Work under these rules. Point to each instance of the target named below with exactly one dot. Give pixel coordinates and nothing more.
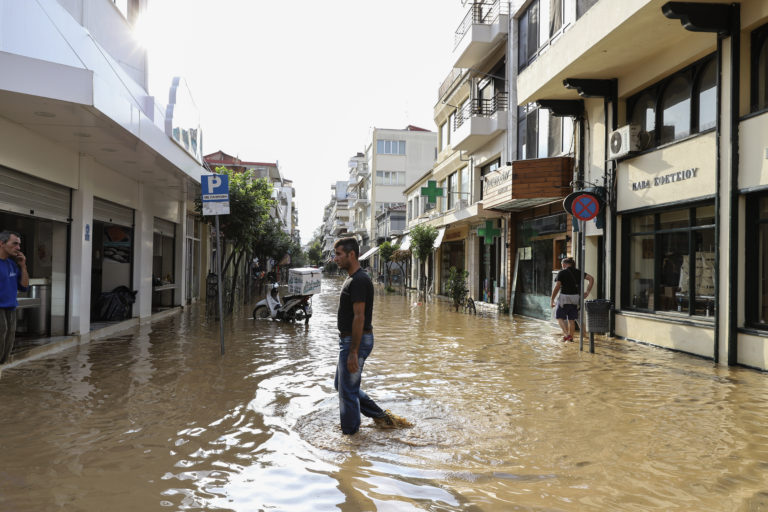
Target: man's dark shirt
(357, 288)
(569, 280)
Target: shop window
(759, 83)
(673, 109)
(669, 259)
(756, 246)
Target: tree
(457, 285)
(386, 250)
(315, 253)
(422, 243)
(402, 257)
(250, 203)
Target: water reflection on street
(507, 418)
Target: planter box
(304, 281)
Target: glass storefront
(541, 245)
(451, 255)
(669, 259)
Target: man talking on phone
(13, 278)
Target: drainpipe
(580, 181)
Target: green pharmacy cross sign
(488, 232)
(431, 191)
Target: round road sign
(585, 207)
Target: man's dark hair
(348, 245)
(569, 261)
(6, 235)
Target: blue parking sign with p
(214, 190)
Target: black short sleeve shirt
(357, 288)
(569, 280)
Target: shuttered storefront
(112, 213)
(26, 195)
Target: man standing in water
(356, 343)
(568, 284)
(13, 278)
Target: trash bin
(39, 317)
(598, 315)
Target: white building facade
(97, 175)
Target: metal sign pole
(218, 275)
(581, 288)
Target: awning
(368, 254)
(406, 243)
(439, 239)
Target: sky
(302, 82)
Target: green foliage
(457, 285)
(250, 201)
(386, 250)
(422, 241)
(315, 253)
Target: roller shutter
(165, 227)
(112, 213)
(26, 195)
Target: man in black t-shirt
(356, 343)
(568, 285)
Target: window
(582, 6)
(443, 140)
(541, 135)
(759, 82)
(706, 101)
(390, 147)
(390, 177)
(670, 261)
(463, 197)
(542, 21)
(674, 108)
(442, 200)
(487, 169)
(452, 189)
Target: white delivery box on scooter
(304, 281)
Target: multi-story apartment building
(97, 175)
(472, 116)
(669, 102)
(336, 218)
(378, 177)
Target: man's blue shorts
(567, 312)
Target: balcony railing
(449, 81)
(480, 13)
(481, 108)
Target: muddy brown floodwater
(507, 418)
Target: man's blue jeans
(352, 399)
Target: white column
(81, 251)
(142, 254)
(180, 255)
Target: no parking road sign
(585, 207)
(215, 194)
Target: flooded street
(506, 417)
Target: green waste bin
(598, 315)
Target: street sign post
(215, 196)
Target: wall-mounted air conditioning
(623, 141)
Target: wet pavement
(507, 418)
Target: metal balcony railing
(480, 13)
(481, 108)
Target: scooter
(290, 309)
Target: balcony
(484, 27)
(479, 121)
(528, 183)
(359, 201)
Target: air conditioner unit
(623, 141)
